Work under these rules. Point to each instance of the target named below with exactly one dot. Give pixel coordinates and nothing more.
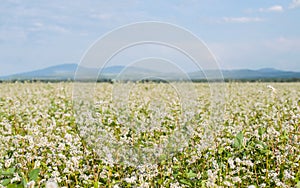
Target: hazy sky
(242, 34)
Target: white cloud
(295, 4)
(39, 26)
(283, 44)
(57, 28)
(242, 19)
(275, 8)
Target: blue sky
(242, 34)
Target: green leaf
(220, 151)
(24, 181)
(33, 175)
(238, 141)
(11, 186)
(14, 186)
(160, 181)
(298, 185)
(5, 182)
(96, 184)
(176, 167)
(186, 182)
(162, 157)
(8, 172)
(191, 174)
(261, 131)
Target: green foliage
(238, 140)
(34, 174)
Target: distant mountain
(266, 70)
(67, 72)
(247, 74)
(64, 71)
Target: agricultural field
(254, 143)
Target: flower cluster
(43, 141)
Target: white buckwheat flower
(272, 88)
(30, 184)
(51, 184)
(231, 163)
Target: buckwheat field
(255, 143)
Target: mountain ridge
(67, 72)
